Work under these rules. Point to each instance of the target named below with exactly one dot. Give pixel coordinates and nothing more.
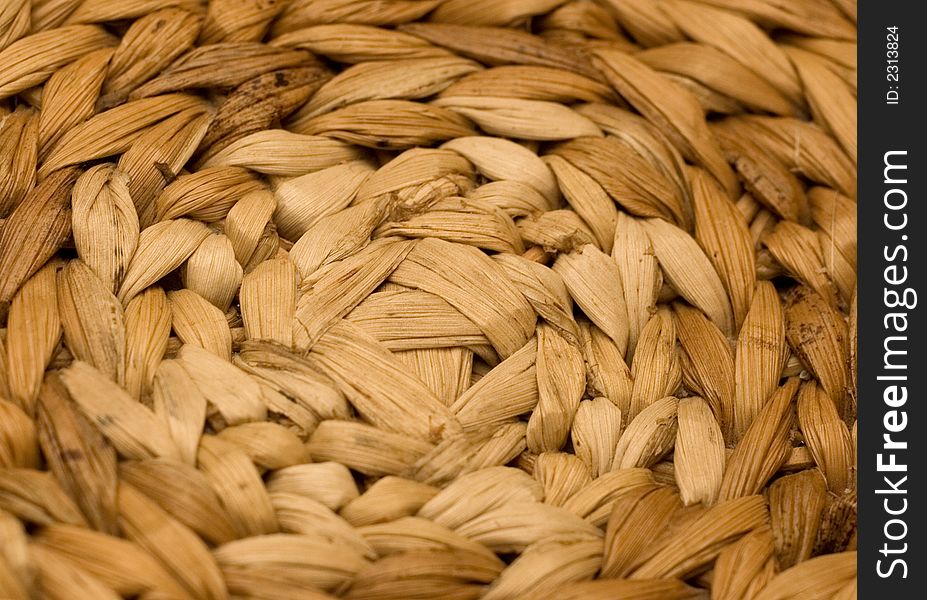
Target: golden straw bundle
(427, 299)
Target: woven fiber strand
(427, 299)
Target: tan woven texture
(427, 299)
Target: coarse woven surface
(427, 299)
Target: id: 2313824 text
(892, 64)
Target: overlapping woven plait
(427, 299)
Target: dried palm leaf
(392, 124)
(161, 248)
(656, 370)
(33, 330)
(104, 223)
(531, 82)
(818, 335)
(149, 45)
(381, 80)
(819, 578)
(92, 319)
(689, 271)
(761, 353)
(707, 364)
(130, 427)
(261, 103)
(80, 458)
(114, 131)
(19, 146)
(746, 566)
(595, 434)
(281, 152)
(763, 447)
(148, 325)
(507, 391)
(830, 98)
(392, 501)
(213, 272)
(699, 456)
(796, 504)
(33, 232)
(722, 233)
(365, 448)
(827, 437)
(742, 40)
(637, 518)
(302, 201)
(70, 96)
(677, 114)
(198, 323)
(494, 46)
(373, 12)
(502, 159)
(329, 483)
(18, 442)
(561, 474)
(31, 59)
(594, 282)
(225, 64)
(353, 43)
(649, 436)
(553, 561)
(702, 538)
(525, 119)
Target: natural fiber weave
(427, 299)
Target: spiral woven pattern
(428, 299)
